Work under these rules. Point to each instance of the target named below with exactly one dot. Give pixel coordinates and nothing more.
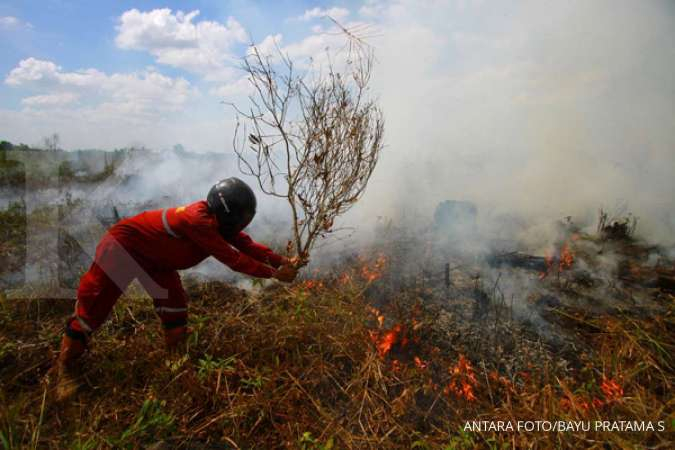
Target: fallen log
(517, 259)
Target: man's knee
(96, 296)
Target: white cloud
(58, 99)
(270, 44)
(139, 96)
(238, 88)
(313, 46)
(30, 70)
(372, 8)
(204, 47)
(316, 47)
(318, 13)
(242, 86)
(13, 23)
(90, 108)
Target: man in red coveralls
(152, 247)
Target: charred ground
(394, 345)
(374, 353)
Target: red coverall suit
(152, 246)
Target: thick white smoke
(533, 111)
(536, 109)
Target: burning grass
(330, 362)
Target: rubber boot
(176, 338)
(64, 373)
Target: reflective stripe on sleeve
(167, 228)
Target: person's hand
(286, 273)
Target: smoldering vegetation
(532, 112)
(392, 337)
(494, 270)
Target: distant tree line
(86, 166)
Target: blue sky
(82, 34)
(76, 36)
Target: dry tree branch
(312, 137)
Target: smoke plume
(538, 110)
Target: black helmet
(233, 203)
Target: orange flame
(548, 259)
(388, 340)
(565, 259)
(612, 390)
(420, 364)
(374, 272)
(396, 365)
(313, 284)
(463, 380)
(365, 270)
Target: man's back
(151, 240)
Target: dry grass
(314, 365)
